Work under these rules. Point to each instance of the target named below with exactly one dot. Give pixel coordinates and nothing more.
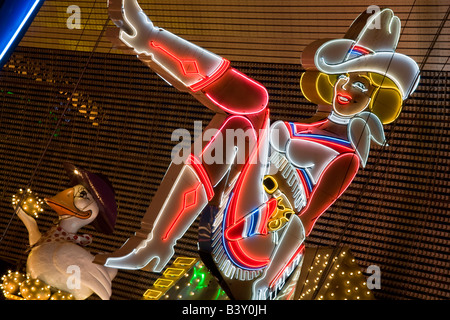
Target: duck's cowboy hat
(101, 190)
(368, 46)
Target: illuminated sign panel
(256, 214)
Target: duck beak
(63, 204)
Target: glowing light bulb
(29, 202)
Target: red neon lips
(343, 98)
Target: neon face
(343, 99)
(352, 94)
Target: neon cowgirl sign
(255, 215)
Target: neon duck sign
(255, 215)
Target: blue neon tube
(15, 18)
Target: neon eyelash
(362, 88)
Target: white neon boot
(176, 205)
(183, 64)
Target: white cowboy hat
(366, 47)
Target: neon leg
(289, 247)
(178, 61)
(255, 223)
(180, 198)
(250, 253)
(186, 66)
(335, 179)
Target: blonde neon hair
(386, 102)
